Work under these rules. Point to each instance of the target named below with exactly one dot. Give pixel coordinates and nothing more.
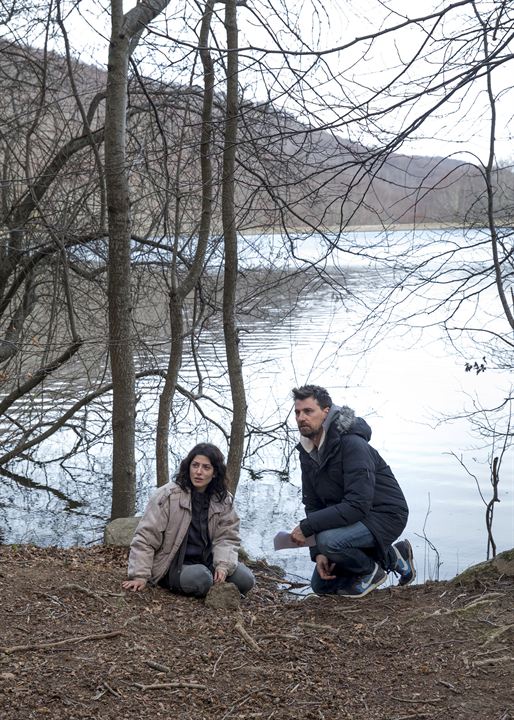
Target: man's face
(310, 417)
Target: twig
(279, 636)
(496, 634)
(454, 611)
(111, 690)
(242, 700)
(445, 642)
(481, 601)
(172, 684)
(491, 661)
(217, 661)
(416, 617)
(84, 590)
(157, 666)
(249, 639)
(449, 686)
(45, 646)
(417, 702)
(314, 626)
(130, 619)
(382, 622)
(283, 581)
(74, 586)
(52, 598)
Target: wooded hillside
(288, 174)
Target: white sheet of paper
(282, 540)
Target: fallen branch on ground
(57, 643)
(497, 633)
(476, 603)
(249, 639)
(282, 581)
(449, 686)
(105, 687)
(428, 701)
(492, 597)
(314, 626)
(74, 586)
(173, 684)
(157, 666)
(491, 661)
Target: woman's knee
(243, 579)
(196, 580)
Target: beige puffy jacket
(164, 526)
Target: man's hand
(324, 567)
(220, 575)
(135, 585)
(298, 537)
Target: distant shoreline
(400, 226)
(394, 227)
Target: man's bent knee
(327, 542)
(349, 537)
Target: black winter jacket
(349, 481)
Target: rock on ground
(223, 596)
(120, 532)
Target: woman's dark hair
(218, 484)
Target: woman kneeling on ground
(188, 537)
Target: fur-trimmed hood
(347, 422)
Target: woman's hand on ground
(135, 585)
(220, 575)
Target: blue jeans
(346, 547)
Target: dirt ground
(75, 646)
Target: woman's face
(201, 472)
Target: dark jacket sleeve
(310, 500)
(357, 484)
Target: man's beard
(308, 432)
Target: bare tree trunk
(125, 34)
(490, 186)
(168, 392)
(120, 341)
(178, 292)
(234, 364)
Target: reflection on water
(402, 385)
(69, 503)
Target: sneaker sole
(410, 557)
(369, 589)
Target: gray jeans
(197, 579)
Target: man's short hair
(314, 391)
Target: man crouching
(353, 504)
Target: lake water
(403, 383)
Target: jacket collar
(185, 499)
